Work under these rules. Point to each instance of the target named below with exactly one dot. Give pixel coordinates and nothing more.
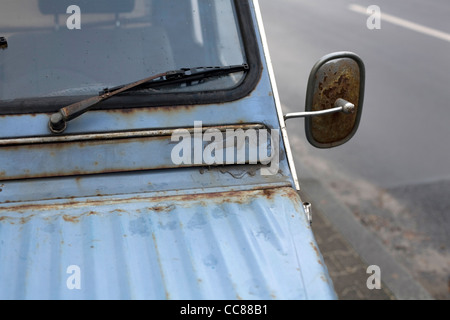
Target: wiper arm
(58, 121)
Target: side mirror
(334, 100)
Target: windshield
(60, 48)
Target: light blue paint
(153, 234)
(175, 248)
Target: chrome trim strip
(276, 96)
(115, 135)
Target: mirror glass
(336, 78)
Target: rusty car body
(92, 205)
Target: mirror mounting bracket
(340, 105)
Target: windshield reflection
(116, 42)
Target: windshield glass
(59, 48)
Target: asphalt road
(394, 174)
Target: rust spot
(76, 219)
(73, 219)
(118, 210)
(161, 208)
(160, 109)
(269, 193)
(154, 242)
(292, 195)
(24, 220)
(317, 252)
(235, 197)
(13, 220)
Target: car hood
(254, 244)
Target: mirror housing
(338, 79)
(334, 100)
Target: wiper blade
(185, 75)
(58, 121)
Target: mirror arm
(340, 105)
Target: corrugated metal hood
(254, 244)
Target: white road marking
(404, 23)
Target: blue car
(144, 153)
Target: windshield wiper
(58, 121)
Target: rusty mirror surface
(336, 76)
